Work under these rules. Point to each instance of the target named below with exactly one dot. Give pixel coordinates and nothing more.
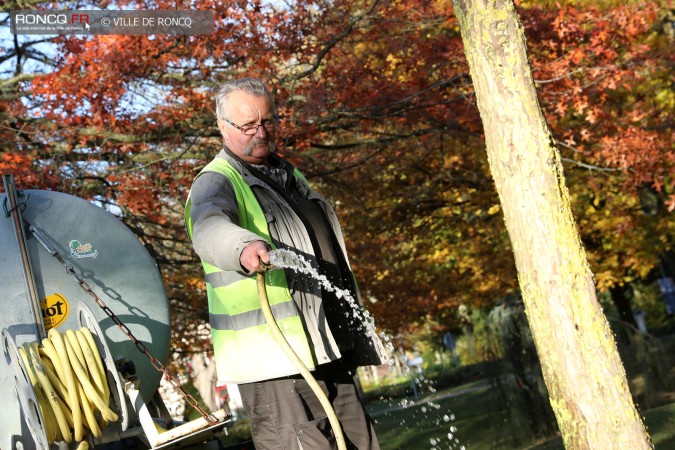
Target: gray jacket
(219, 240)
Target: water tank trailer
(69, 266)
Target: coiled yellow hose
(70, 385)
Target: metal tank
(99, 249)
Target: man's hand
(252, 254)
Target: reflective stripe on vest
(251, 318)
(244, 348)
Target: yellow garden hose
(70, 384)
(297, 362)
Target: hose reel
(63, 380)
(35, 400)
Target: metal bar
(10, 191)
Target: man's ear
(222, 126)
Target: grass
(660, 424)
(477, 422)
(442, 423)
(461, 417)
(471, 417)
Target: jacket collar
(260, 172)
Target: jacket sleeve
(216, 236)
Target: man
(243, 204)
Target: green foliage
(477, 343)
(648, 298)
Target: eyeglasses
(250, 130)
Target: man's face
(245, 110)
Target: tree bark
(584, 375)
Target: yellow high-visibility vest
(244, 349)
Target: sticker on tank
(55, 310)
(79, 250)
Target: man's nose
(261, 131)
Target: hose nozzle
(265, 266)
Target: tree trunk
(584, 375)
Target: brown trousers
(286, 414)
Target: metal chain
(139, 345)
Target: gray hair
(252, 86)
